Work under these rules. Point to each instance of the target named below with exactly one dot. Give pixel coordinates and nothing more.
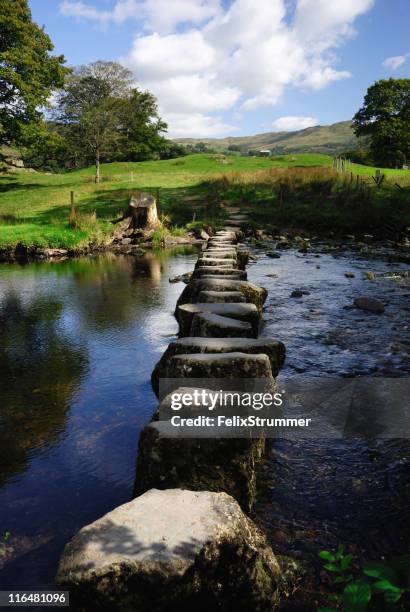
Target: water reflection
(78, 341)
(40, 369)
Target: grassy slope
(34, 207)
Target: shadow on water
(40, 370)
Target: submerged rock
(369, 303)
(171, 550)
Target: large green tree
(28, 73)
(90, 108)
(106, 118)
(385, 118)
(142, 127)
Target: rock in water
(171, 550)
(369, 303)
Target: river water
(79, 340)
(318, 493)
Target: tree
(385, 118)
(92, 107)
(142, 127)
(28, 73)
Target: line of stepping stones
(186, 540)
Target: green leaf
(327, 555)
(386, 585)
(339, 579)
(345, 562)
(380, 570)
(340, 551)
(332, 567)
(357, 595)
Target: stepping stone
(274, 350)
(220, 365)
(253, 294)
(222, 297)
(243, 312)
(215, 254)
(171, 550)
(225, 276)
(215, 271)
(196, 463)
(238, 223)
(214, 262)
(209, 325)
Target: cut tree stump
(142, 211)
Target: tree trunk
(97, 166)
(143, 211)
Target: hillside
(327, 139)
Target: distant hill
(327, 139)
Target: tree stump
(142, 211)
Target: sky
(239, 67)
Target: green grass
(35, 207)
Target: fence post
(72, 199)
(158, 198)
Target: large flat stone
(274, 350)
(217, 254)
(221, 297)
(219, 271)
(253, 294)
(212, 464)
(243, 312)
(216, 262)
(220, 365)
(209, 325)
(171, 550)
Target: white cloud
(293, 123)
(156, 57)
(395, 61)
(203, 56)
(196, 124)
(161, 15)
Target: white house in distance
(265, 152)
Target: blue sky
(235, 67)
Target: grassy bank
(35, 207)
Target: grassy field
(35, 207)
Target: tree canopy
(28, 73)
(385, 118)
(104, 116)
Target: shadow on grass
(180, 205)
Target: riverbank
(288, 192)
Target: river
(79, 340)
